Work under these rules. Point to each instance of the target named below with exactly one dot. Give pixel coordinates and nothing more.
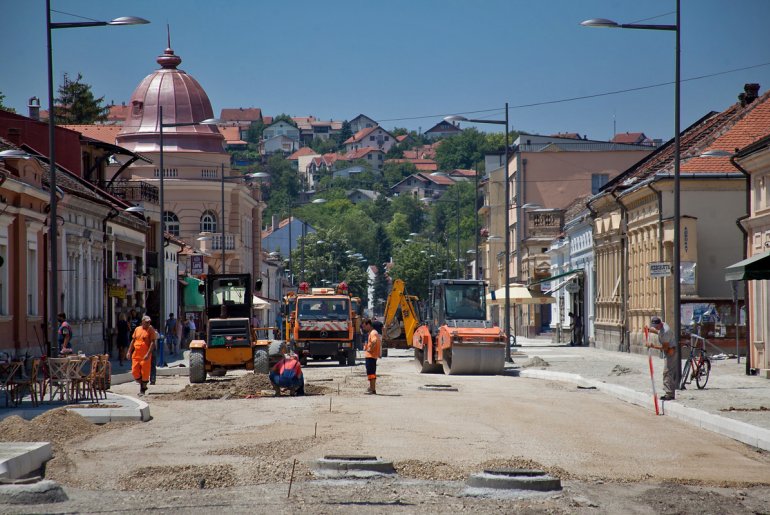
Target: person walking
(667, 344)
(133, 320)
(170, 330)
(140, 352)
(190, 327)
(64, 335)
(372, 351)
(576, 328)
(124, 334)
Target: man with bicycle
(668, 345)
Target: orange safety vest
(142, 340)
(373, 348)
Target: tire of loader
(197, 367)
(343, 359)
(261, 362)
(274, 349)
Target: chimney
(274, 222)
(34, 108)
(750, 94)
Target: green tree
(254, 134)
(76, 103)
(413, 209)
(4, 107)
(393, 173)
(345, 133)
(324, 146)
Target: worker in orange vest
(287, 373)
(372, 352)
(140, 353)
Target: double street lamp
(507, 272)
(53, 301)
(601, 22)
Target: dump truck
(454, 334)
(231, 342)
(321, 324)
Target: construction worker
(140, 353)
(287, 373)
(372, 351)
(668, 346)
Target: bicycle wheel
(702, 377)
(685, 375)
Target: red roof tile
(239, 114)
(629, 137)
(304, 151)
(358, 136)
(105, 133)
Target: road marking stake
(330, 404)
(294, 464)
(652, 375)
(315, 433)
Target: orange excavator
(454, 336)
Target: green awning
(544, 279)
(193, 299)
(755, 268)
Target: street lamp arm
(123, 20)
(609, 24)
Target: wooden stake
(330, 404)
(294, 464)
(315, 433)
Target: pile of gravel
(247, 385)
(180, 477)
(440, 471)
(56, 426)
(537, 361)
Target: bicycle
(698, 365)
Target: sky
(409, 63)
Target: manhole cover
(438, 388)
(515, 472)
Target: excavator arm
(398, 298)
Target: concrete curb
(126, 377)
(140, 411)
(17, 459)
(735, 429)
(42, 492)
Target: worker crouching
(287, 374)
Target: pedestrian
(190, 326)
(287, 373)
(140, 352)
(124, 333)
(667, 344)
(64, 335)
(133, 320)
(372, 350)
(576, 328)
(179, 334)
(170, 330)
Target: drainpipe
(625, 339)
(662, 287)
(745, 255)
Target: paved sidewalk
(732, 403)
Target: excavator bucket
(474, 359)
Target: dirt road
(611, 456)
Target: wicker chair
(58, 378)
(85, 385)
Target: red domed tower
(183, 101)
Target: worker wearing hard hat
(372, 352)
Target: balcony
(135, 191)
(214, 241)
(544, 223)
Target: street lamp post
(302, 241)
(601, 22)
(507, 327)
(53, 301)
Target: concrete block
(42, 492)
(17, 459)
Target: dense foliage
(76, 103)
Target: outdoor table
(8, 370)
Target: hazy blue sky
(408, 62)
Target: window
(171, 222)
(598, 180)
(371, 138)
(208, 222)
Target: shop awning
(557, 276)
(755, 268)
(192, 300)
(561, 284)
(519, 294)
(259, 303)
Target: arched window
(171, 223)
(208, 222)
